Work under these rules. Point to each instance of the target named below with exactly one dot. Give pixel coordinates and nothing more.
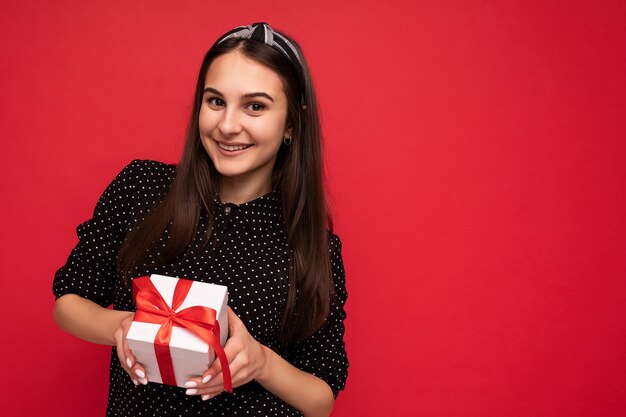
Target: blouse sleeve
(90, 270)
(324, 354)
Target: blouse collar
(261, 214)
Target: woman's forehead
(235, 73)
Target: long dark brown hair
(297, 175)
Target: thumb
(233, 320)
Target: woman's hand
(246, 359)
(125, 355)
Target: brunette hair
(297, 175)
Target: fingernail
(191, 384)
(135, 382)
(129, 363)
(205, 397)
(140, 373)
(143, 381)
(191, 391)
(206, 379)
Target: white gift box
(191, 356)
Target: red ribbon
(152, 308)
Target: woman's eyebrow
(212, 90)
(258, 94)
(247, 95)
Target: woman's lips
(232, 149)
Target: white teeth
(232, 148)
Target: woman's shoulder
(146, 169)
(145, 174)
(334, 242)
(139, 181)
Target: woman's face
(243, 118)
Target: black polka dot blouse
(247, 252)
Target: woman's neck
(239, 191)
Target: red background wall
(476, 158)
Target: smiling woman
(242, 123)
(245, 208)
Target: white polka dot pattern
(247, 252)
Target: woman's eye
(215, 101)
(256, 107)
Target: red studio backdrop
(476, 159)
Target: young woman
(245, 208)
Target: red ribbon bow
(152, 308)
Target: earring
(287, 140)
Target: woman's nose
(230, 122)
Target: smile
(233, 147)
